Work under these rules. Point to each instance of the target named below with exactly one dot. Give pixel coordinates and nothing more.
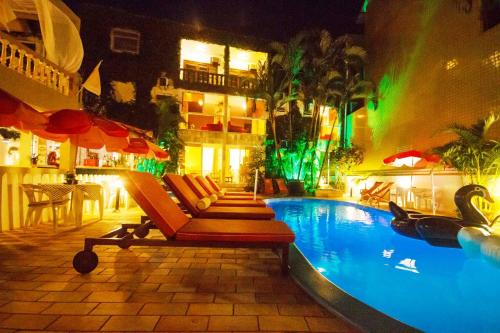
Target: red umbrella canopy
(409, 158)
(86, 131)
(144, 147)
(15, 113)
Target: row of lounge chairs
(245, 225)
(379, 192)
(275, 186)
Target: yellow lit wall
(434, 66)
(202, 52)
(245, 59)
(192, 159)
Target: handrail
(29, 63)
(215, 79)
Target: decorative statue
(443, 230)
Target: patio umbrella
(415, 158)
(15, 113)
(85, 130)
(144, 147)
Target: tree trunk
(324, 158)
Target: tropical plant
(169, 119)
(270, 86)
(474, 152)
(256, 161)
(344, 159)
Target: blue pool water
(431, 288)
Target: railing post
(12, 62)
(3, 55)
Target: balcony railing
(193, 136)
(217, 80)
(25, 61)
(194, 76)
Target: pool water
(433, 289)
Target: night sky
(270, 19)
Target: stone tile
(131, 323)
(150, 297)
(70, 308)
(58, 286)
(24, 307)
(255, 309)
(78, 323)
(233, 323)
(139, 286)
(28, 322)
(275, 298)
(217, 287)
(20, 285)
(328, 325)
(164, 309)
(182, 323)
(65, 296)
(21, 295)
(193, 297)
(177, 287)
(235, 298)
(54, 278)
(302, 310)
(108, 296)
(210, 309)
(282, 323)
(96, 286)
(127, 309)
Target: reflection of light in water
(407, 265)
(353, 214)
(387, 253)
(321, 269)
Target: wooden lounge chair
(282, 186)
(209, 189)
(371, 189)
(201, 193)
(217, 188)
(189, 200)
(382, 195)
(180, 230)
(268, 186)
(367, 194)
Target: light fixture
(200, 102)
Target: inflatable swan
(443, 230)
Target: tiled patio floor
(147, 289)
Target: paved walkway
(147, 289)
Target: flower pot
(296, 188)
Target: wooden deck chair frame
(164, 208)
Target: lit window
(450, 64)
(125, 41)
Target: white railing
(25, 61)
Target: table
(411, 196)
(79, 193)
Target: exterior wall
(434, 66)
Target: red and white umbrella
(85, 130)
(15, 113)
(144, 147)
(415, 158)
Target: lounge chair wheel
(123, 246)
(85, 261)
(141, 231)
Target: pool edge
(337, 301)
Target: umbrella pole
(433, 190)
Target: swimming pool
(430, 288)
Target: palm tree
(474, 153)
(169, 119)
(289, 59)
(271, 87)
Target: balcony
(193, 136)
(203, 80)
(37, 81)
